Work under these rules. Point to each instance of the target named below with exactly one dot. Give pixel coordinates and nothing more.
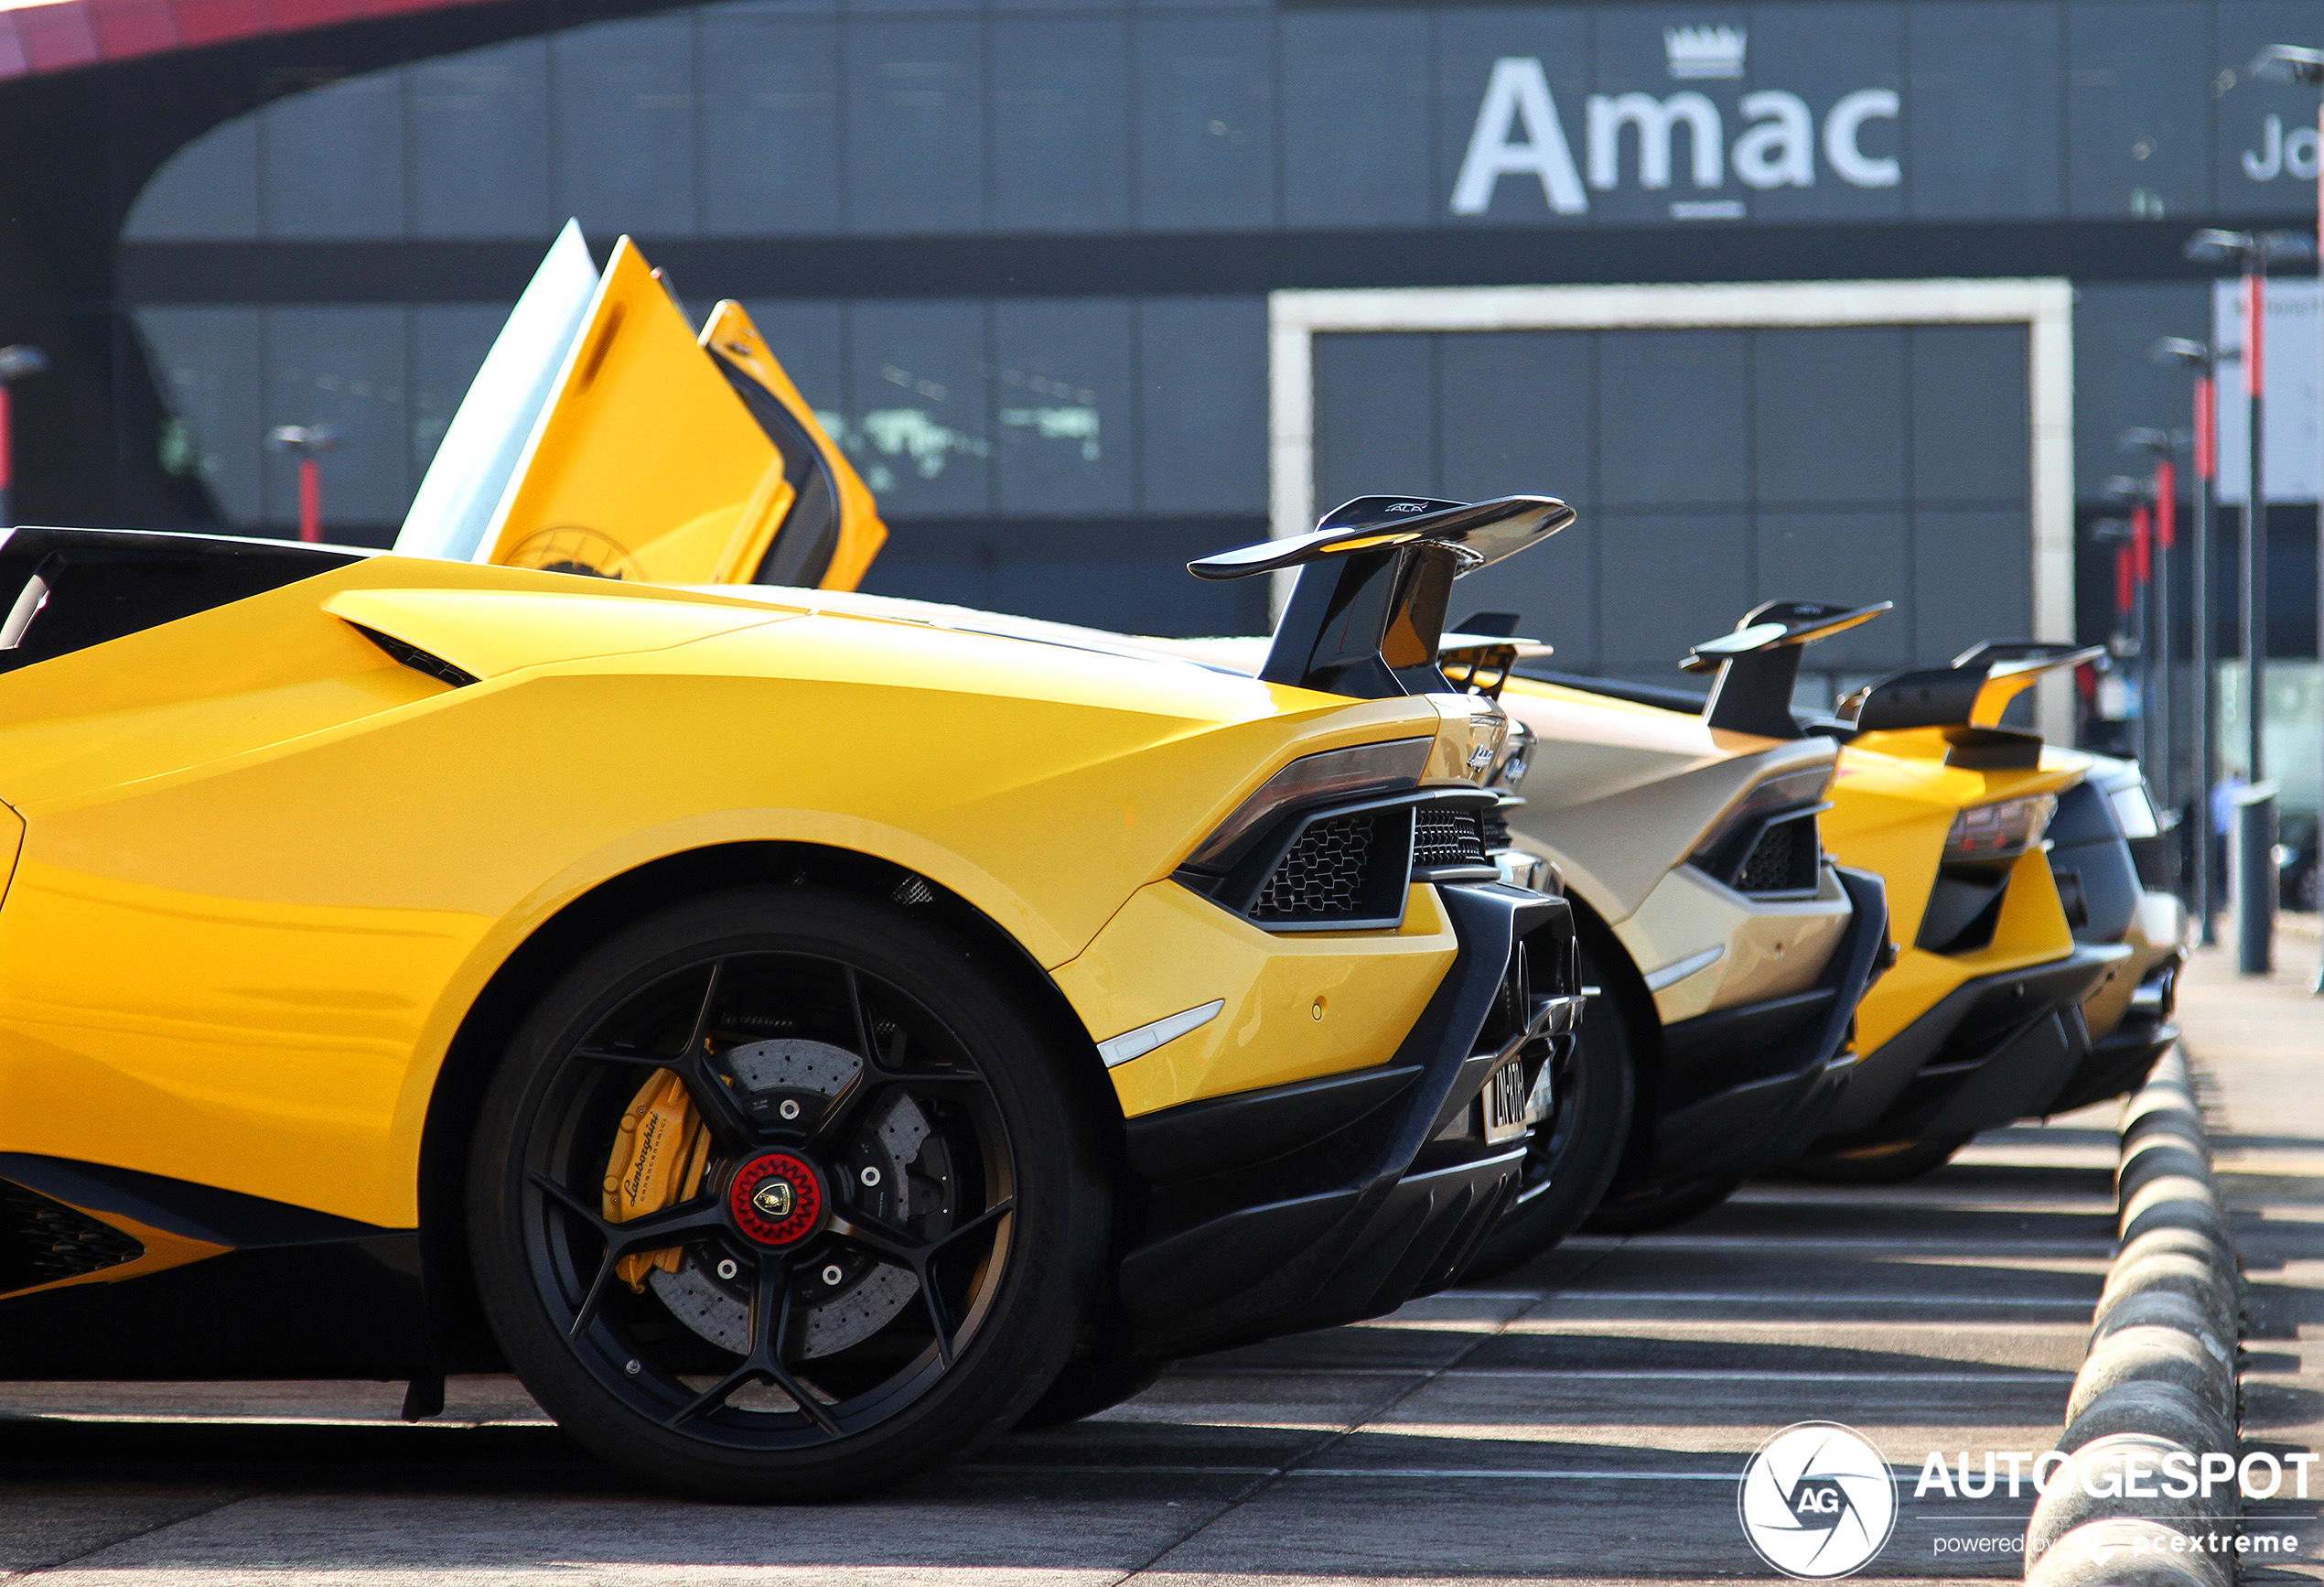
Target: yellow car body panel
(252, 909)
(645, 463)
(1893, 800)
(729, 331)
(1298, 1007)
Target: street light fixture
(2161, 494)
(20, 361)
(307, 443)
(2187, 354)
(2254, 252)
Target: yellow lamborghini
(795, 1040)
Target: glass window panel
(1375, 425)
(2264, 164)
(207, 192)
(2116, 384)
(1829, 417)
(342, 367)
(206, 363)
(1849, 558)
(1826, 55)
(1516, 413)
(334, 159)
(1060, 131)
(1970, 424)
(1202, 409)
(919, 386)
(1970, 581)
(481, 143)
(2137, 112)
(625, 126)
(1984, 110)
(1468, 43)
(1061, 406)
(1355, 111)
(1206, 121)
(770, 126)
(1673, 416)
(915, 126)
(1650, 614)
(448, 344)
(807, 340)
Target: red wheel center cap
(776, 1199)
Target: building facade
(1037, 261)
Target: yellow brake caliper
(657, 1161)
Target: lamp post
(2254, 849)
(2138, 578)
(2297, 63)
(307, 443)
(2185, 353)
(19, 363)
(2162, 498)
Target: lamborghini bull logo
(773, 1198)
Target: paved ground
(2257, 1050)
(1583, 1419)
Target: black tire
(913, 1310)
(1651, 1212)
(1086, 1387)
(1576, 1150)
(1892, 1162)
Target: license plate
(1504, 1101)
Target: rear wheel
(1891, 1162)
(1086, 1387)
(1576, 1149)
(1650, 1211)
(777, 1196)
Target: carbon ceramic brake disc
(854, 1297)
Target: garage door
(1714, 468)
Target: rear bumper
(1996, 1049)
(2118, 1062)
(1306, 1205)
(1749, 1087)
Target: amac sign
(1520, 133)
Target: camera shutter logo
(1817, 1500)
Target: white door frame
(2043, 305)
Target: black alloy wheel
(1650, 1211)
(1574, 1151)
(872, 1216)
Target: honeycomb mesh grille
(1323, 877)
(1492, 827)
(55, 1241)
(1782, 860)
(1446, 836)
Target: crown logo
(1701, 52)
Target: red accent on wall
(2206, 430)
(70, 34)
(2254, 336)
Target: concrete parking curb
(2156, 1391)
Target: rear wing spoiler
(1971, 692)
(1367, 616)
(1759, 664)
